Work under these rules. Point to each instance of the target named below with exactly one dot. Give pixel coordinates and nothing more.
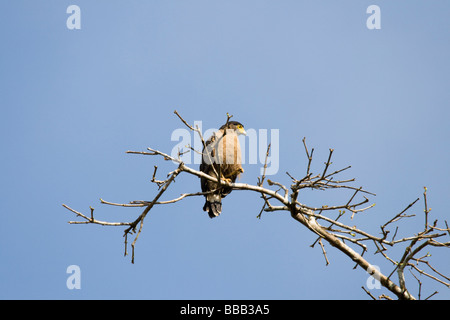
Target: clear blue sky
(73, 101)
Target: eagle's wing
(222, 155)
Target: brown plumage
(222, 155)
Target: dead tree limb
(339, 235)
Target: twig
(92, 220)
(431, 295)
(370, 295)
(327, 164)
(141, 203)
(132, 205)
(419, 282)
(324, 252)
(308, 155)
(426, 210)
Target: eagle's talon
(227, 180)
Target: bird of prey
(221, 156)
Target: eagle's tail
(213, 205)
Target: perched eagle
(222, 155)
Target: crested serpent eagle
(222, 156)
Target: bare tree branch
(339, 235)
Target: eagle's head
(236, 126)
